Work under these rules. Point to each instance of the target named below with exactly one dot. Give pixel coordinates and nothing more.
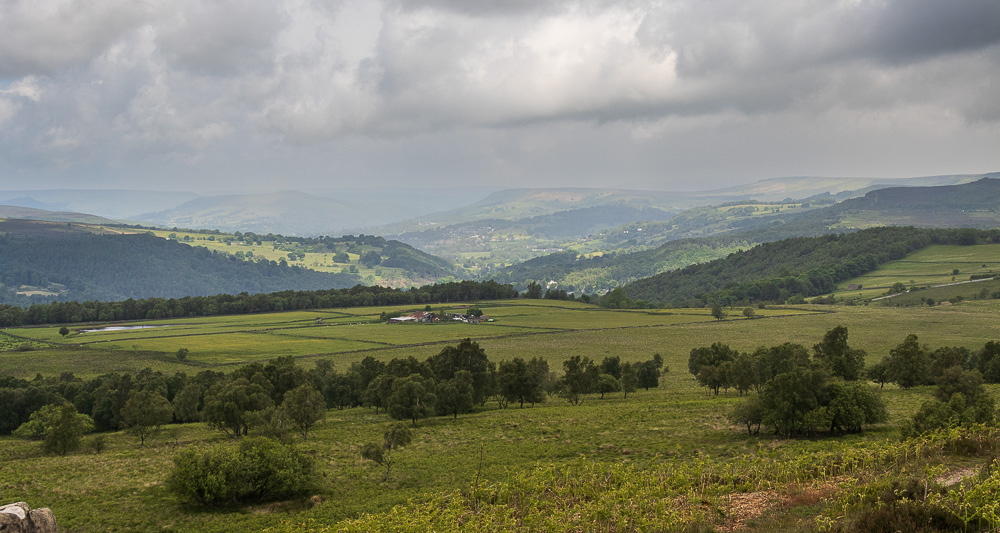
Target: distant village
(429, 317)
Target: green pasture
(967, 290)
(549, 329)
(321, 262)
(933, 265)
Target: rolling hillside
(80, 266)
(726, 228)
(802, 266)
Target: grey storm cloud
(568, 91)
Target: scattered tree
(397, 436)
(455, 395)
(145, 413)
(411, 398)
(303, 407)
(607, 383)
(908, 363)
(230, 407)
(839, 358)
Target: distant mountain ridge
(30, 213)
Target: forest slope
(81, 267)
(805, 266)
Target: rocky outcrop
(19, 518)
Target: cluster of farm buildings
(425, 316)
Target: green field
(553, 330)
(661, 430)
(934, 265)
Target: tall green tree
(145, 413)
(412, 398)
(630, 378)
(580, 376)
(187, 402)
(607, 383)
(521, 381)
(455, 395)
(468, 356)
(231, 407)
(840, 359)
(908, 363)
(303, 407)
(709, 364)
(648, 372)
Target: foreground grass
(122, 489)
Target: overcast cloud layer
(277, 94)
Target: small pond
(119, 328)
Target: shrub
(257, 469)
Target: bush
(257, 469)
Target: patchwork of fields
(552, 330)
(934, 265)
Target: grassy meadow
(934, 265)
(122, 488)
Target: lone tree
(144, 414)
(182, 353)
(718, 312)
(397, 436)
(64, 331)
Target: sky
(261, 95)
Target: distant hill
(730, 227)
(513, 204)
(58, 265)
(306, 214)
(562, 225)
(30, 213)
(119, 204)
(286, 212)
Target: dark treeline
(118, 267)
(275, 396)
(803, 266)
(244, 303)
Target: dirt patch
(957, 476)
(747, 506)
